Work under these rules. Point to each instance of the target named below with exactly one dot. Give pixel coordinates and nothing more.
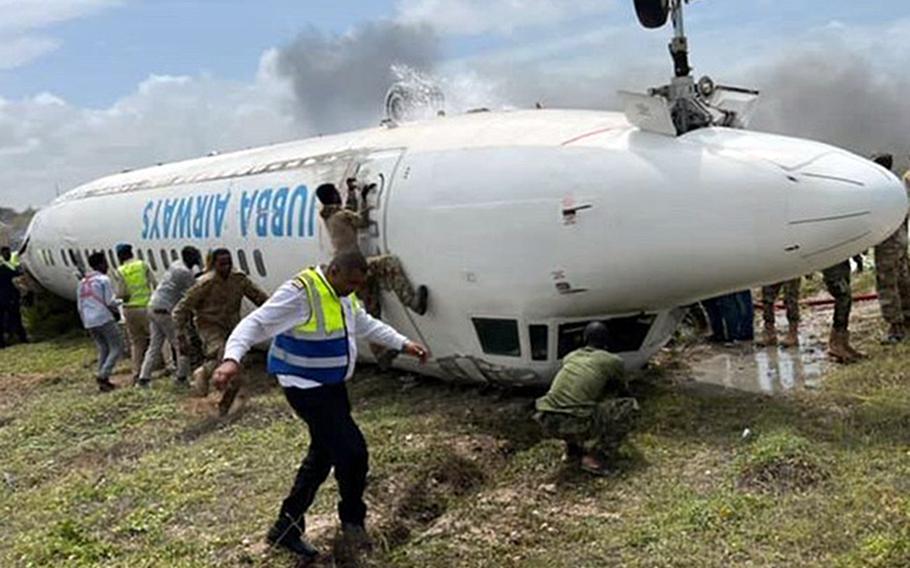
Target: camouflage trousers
(892, 277)
(602, 432)
(213, 343)
(791, 300)
(386, 273)
(837, 282)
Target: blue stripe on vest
(324, 376)
(313, 347)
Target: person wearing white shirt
(314, 319)
(177, 280)
(97, 305)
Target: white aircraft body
(524, 225)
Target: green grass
(459, 477)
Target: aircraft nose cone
(841, 204)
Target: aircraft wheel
(652, 13)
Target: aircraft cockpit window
(624, 334)
(241, 260)
(151, 259)
(260, 263)
(538, 335)
(165, 262)
(498, 336)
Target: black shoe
(105, 385)
(355, 537)
(182, 382)
(285, 535)
(144, 383)
(423, 295)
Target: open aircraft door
(375, 175)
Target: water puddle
(766, 370)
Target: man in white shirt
(97, 305)
(173, 286)
(315, 318)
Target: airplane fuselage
(524, 225)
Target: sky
(93, 87)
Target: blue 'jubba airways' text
(269, 212)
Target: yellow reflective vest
(134, 274)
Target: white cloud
(17, 51)
(22, 20)
(46, 143)
(473, 17)
(24, 15)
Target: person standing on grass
(176, 281)
(314, 319)
(97, 306)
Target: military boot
(227, 399)
(837, 347)
(419, 305)
(792, 338)
(895, 334)
(853, 352)
(200, 382)
(769, 336)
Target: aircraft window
(63, 258)
(241, 260)
(112, 257)
(87, 254)
(165, 262)
(538, 335)
(498, 336)
(624, 334)
(151, 259)
(174, 256)
(139, 254)
(50, 258)
(260, 263)
(75, 259)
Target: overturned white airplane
(524, 225)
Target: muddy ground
(719, 472)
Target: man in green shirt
(577, 409)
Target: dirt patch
(427, 495)
(785, 475)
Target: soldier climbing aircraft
(524, 225)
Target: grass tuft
(780, 461)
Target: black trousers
(11, 321)
(335, 442)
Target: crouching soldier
(577, 409)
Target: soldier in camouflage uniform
(214, 303)
(577, 409)
(892, 274)
(837, 282)
(385, 271)
(791, 300)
